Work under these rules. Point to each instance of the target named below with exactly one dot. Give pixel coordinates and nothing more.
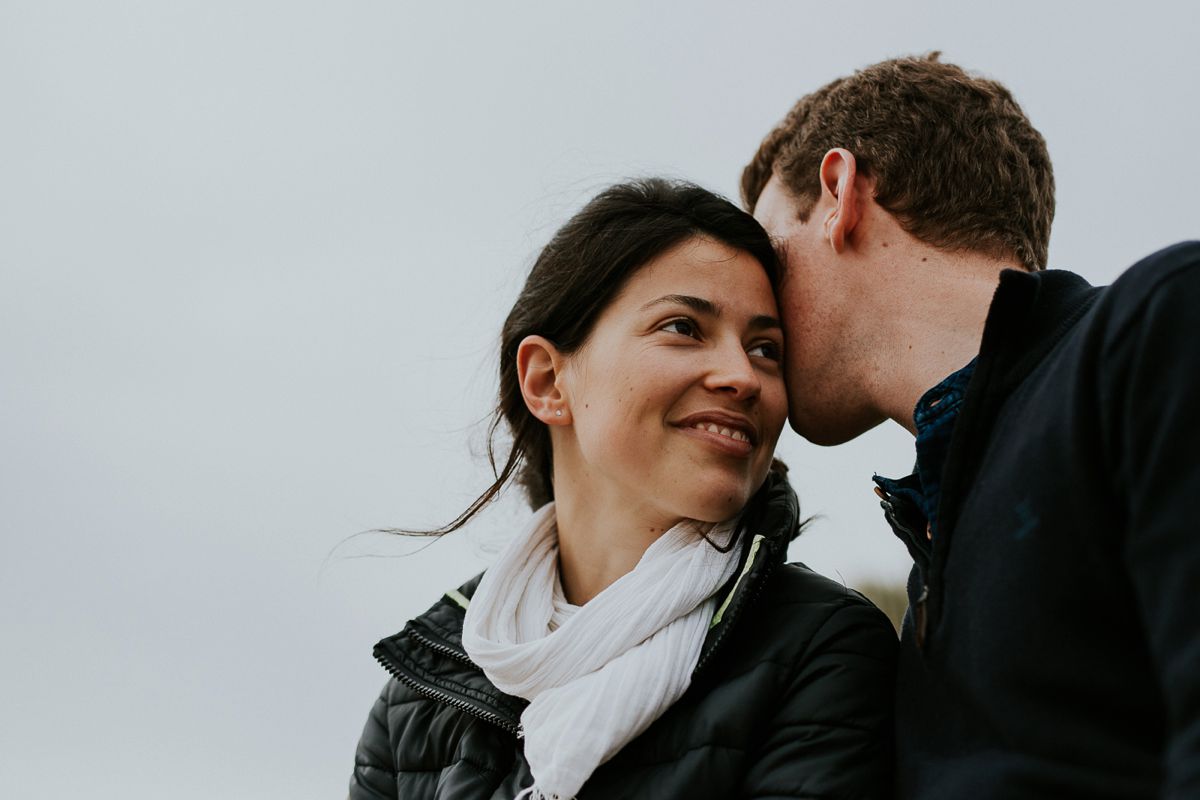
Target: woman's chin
(715, 496)
(717, 505)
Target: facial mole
(885, 244)
(924, 259)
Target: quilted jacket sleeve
(832, 737)
(374, 771)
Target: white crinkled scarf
(596, 676)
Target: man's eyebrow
(708, 307)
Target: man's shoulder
(1172, 269)
(1165, 263)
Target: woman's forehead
(707, 275)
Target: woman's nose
(733, 372)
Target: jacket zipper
(752, 593)
(444, 649)
(919, 607)
(441, 697)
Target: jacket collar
(1030, 313)
(428, 656)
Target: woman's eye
(769, 350)
(682, 326)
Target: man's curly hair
(953, 157)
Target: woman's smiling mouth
(712, 428)
(729, 433)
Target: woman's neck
(600, 539)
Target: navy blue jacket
(1052, 645)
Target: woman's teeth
(731, 433)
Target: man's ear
(539, 367)
(838, 171)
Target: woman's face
(677, 398)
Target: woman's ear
(539, 367)
(838, 173)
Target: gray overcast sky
(253, 261)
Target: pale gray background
(253, 260)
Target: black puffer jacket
(791, 697)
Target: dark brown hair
(581, 270)
(954, 158)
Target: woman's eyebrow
(697, 304)
(702, 306)
(764, 322)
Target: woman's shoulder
(798, 583)
(804, 612)
(809, 670)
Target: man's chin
(828, 430)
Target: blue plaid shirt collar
(934, 418)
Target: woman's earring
(558, 412)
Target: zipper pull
(920, 617)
